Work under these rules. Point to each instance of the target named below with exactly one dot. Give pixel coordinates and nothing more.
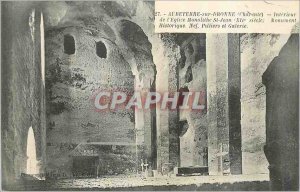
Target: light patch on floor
(32, 163)
(115, 182)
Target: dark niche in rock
(69, 44)
(101, 50)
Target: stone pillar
(147, 134)
(217, 101)
(139, 129)
(147, 121)
(153, 134)
(143, 124)
(223, 100)
(234, 104)
(162, 139)
(167, 120)
(173, 120)
(168, 154)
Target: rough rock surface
(73, 80)
(257, 52)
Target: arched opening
(69, 44)
(32, 163)
(101, 49)
(136, 42)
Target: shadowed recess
(69, 44)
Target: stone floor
(214, 183)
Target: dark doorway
(85, 167)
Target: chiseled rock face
(282, 120)
(257, 52)
(72, 80)
(192, 74)
(22, 88)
